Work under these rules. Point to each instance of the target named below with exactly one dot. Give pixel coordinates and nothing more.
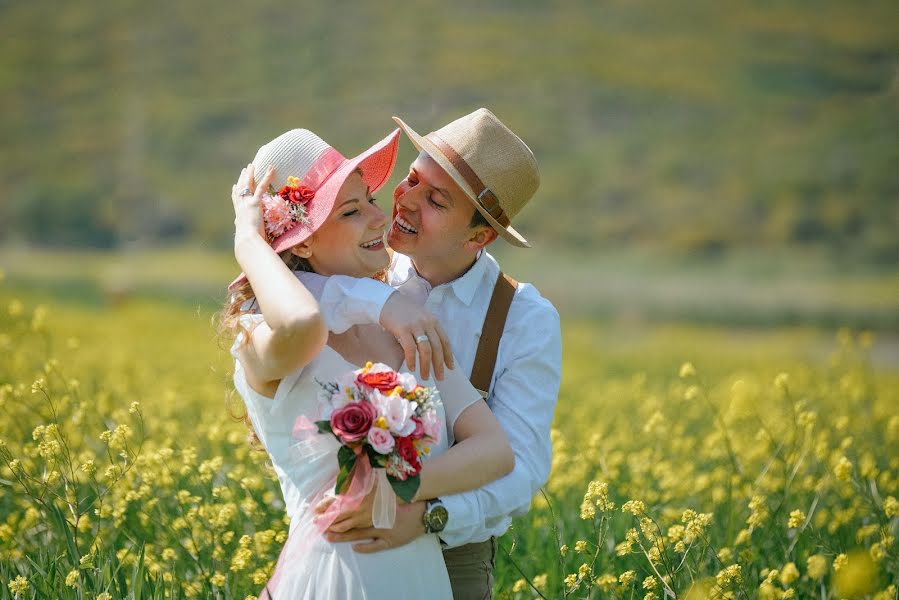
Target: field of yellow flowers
(688, 463)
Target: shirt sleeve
(346, 301)
(523, 399)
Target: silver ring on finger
(422, 338)
(246, 192)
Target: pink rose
(381, 440)
(351, 423)
(419, 431)
(432, 425)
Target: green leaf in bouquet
(375, 460)
(324, 427)
(346, 458)
(405, 489)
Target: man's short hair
(477, 219)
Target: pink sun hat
(312, 167)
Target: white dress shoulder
(306, 472)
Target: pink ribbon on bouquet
(364, 478)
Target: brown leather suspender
(491, 332)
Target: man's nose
(408, 197)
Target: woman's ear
(480, 238)
(303, 249)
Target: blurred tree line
(690, 127)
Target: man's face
(431, 215)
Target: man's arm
(347, 301)
(523, 400)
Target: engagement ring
(421, 338)
(246, 192)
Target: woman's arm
(293, 332)
(481, 454)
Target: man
(469, 180)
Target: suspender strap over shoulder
(491, 332)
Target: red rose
(299, 194)
(384, 380)
(351, 423)
(406, 449)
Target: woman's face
(351, 240)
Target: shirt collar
(402, 272)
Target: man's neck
(438, 272)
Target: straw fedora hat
(322, 170)
(493, 166)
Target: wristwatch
(435, 516)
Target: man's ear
(480, 238)
(303, 249)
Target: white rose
(398, 413)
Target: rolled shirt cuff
(463, 520)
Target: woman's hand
(247, 199)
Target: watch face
(437, 517)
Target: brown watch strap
(491, 332)
(483, 195)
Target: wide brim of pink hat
(376, 165)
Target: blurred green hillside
(689, 127)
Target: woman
(325, 220)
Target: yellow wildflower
(816, 566)
(627, 577)
(840, 561)
(843, 469)
(72, 578)
(635, 507)
(789, 574)
(729, 575)
(797, 518)
(19, 585)
(891, 507)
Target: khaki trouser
(471, 570)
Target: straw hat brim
(425, 145)
(376, 165)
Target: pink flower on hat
(277, 215)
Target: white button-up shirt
(523, 389)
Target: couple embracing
(320, 295)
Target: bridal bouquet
(384, 418)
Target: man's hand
(417, 331)
(408, 526)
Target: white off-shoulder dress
(306, 470)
